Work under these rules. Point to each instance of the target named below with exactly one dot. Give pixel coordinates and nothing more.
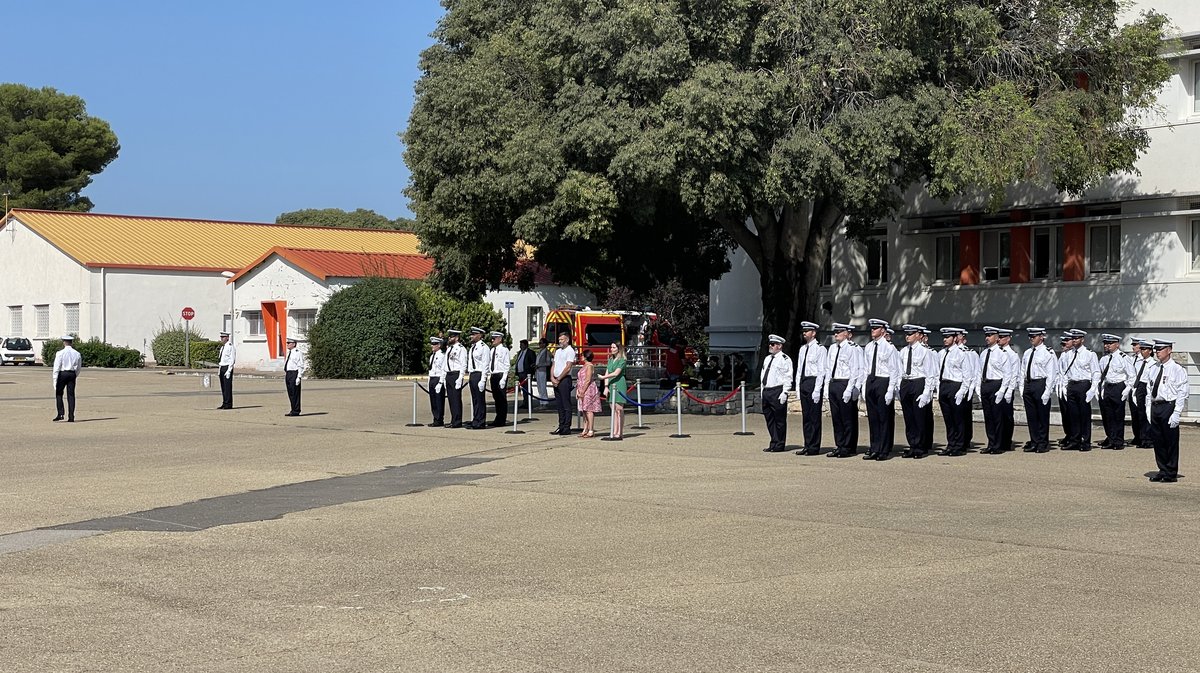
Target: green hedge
(95, 353)
(369, 329)
(441, 312)
(168, 347)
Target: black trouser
(915, 426)
(997, 416)
(1065, 409)
(564, 397)
(967, 421)
(844, 416)
(1137, 414)
(775, 413)
(811, 412)
(293, 389)
(881, 416)
(437, 401)
(499, 400)
(478, 401)
(1112, 413)
(1165, 438)
(454, 396)
(65, 382)
(952, 414)
(1081, 413)
(1037, 415)
(226, 386)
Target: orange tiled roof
(126, 241)
(331, 263)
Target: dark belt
(1162, 402)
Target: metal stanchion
(528, 399)
(743, 433)
(516, 411)
(678, 414)
(414, 423)
(640, 425)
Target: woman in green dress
(614, 388)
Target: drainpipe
(104, 304)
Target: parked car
(17, 350)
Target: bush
(95, 353)
(372, 328)
(441, 312)
(168, 347)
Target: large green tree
(50, 148)
(636, 138)
(359, 218)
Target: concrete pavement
(159, 534)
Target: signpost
(188, 313)
(509, 305)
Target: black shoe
(56, 419)
(555, 432)
(70, 420)
(1104, 444)
(882, 456)
(1085, 447)
(840, 454)
(945, 452)
(773, 449)
(1163, 479)
(869, 456)
(907, 453)
(611, 439)
(1029, 448)
(917, 455)
(291, 413)
(455, 426)
(1044, 449)
(436, 424)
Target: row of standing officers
(1153, 385)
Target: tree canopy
(360, 218)
(50, 148)
(633, 140)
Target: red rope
(723, 400)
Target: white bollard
(414, 423)
(640, 425)
(743, 433)
(679, 413)
(516, 411)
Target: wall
(276, 279)
(36, 272)
(544, 296)
(140, 302)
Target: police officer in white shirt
(1116, 384)
(560, 377)
(812, 368)
(294, 367)
(918, 381)
(67, 363)
(1167, 397)
(879, 383)
(775, 380)
(1082, 375)
(225, 370)
(996, 383)
(955, 376)
(437, 382)
(1143, 358)
(498, 366)
(847, 367)
(1010, 391)
(456, 376)
(1065, 350)
(967, 408)
(1039, 378)
(478, 359)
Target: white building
(122, 278)
(1124, 258)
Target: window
(1104, 251)
(535, 322)
(1047, 252)
(877, 260)
(602, 335)
(227, 323)
(15, 321)
(1195, 90)
(1195, 253)
(303, 319)
(71, 318)
(997, 248)
(42, 315)
(946, 265)
(254, 323)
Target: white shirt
(1139, 366)
(479, 358)
(882, 356)
(954, 364)
(498, 363)
(293, 361)
(846, 362)
(437, 365)
(1172, 382)
(917, 362)
(564, 359)
(1038, 363)
(1081, 365)
(812, 361)
(1116, 367)
(66, 360)
(776, 371)
(228, 354)
(456, 359)
(1001, 366)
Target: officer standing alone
(437, 382)
(812, 366)
(498, 366)
(294, 367)
(67, 363)
(775, 380)
(225, 371)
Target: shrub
(50, 347)
(372, 328)
(441, 312)
(95, 353)
(168, 346)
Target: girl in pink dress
(588, 394)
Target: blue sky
(235, 110)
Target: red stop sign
(188, 313)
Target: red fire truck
(648, 340)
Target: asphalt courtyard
(160, 534)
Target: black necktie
(1029, 366)
(287, 359)
(908, 367)
(767, 371)
(945, 356)
(1157, 380)
(493, 367)
(1073, 358)
(874, 358)
(431, 357)
(1140, 370)
(987, 359)
(836, 356)
(804, 363)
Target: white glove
(229, 373)
(1125, 395)
(1008, 396)
(1173, 421)
(438, 389)
(999, 396)
(1046, 398)
(481, 385)
(958, 397)
(458, 385)
(816, 397)
(888, 396)
(299, 379)
(504, 383)
(922, 401)
(783, 397)
(1091, 396)
(1135, 400)
(1148, 419)
(847, 395)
